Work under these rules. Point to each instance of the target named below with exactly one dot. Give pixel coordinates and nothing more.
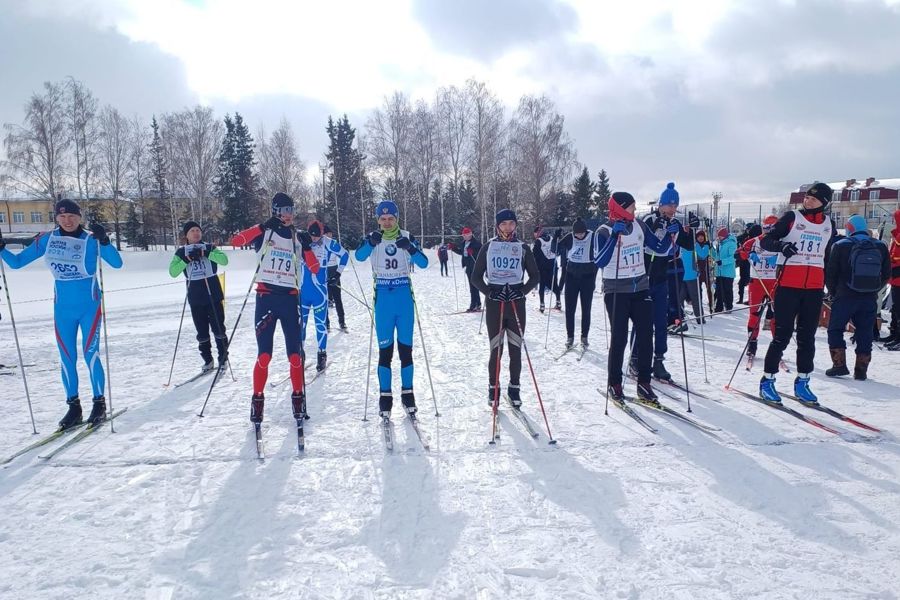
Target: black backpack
(865, 265)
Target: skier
(72, 257)
(199, 262)
(762, 279)
(857, 269)
(443, 258)
(277, 298)
(664, 275)
(703, 278)
(505, 259)
(469, 251)
(545, 258)
(626, 288)
(892, 341)
(314, 289)
(692, 262)
(803, 238)
(725, 271)
(336, 265)
(579, 247)
(392, 251)
(743, 263)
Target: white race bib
(811, 240)
(768, 262)
(504, 262)
(198, 269)
(580, 252)
(628, 255)
(65, 257)
(390, 264)
(279, 266)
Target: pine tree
(582, 195)
(235, 183)
(468, 214)
(132, 229)
(348, 197)
(162, 211)
(602, 193)
(565, 208)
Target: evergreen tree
(235, 183)
(468, 215)
(132, 229)
(565, 208)
(348, 197)
(162, 210)
(583, 195)
(602, 193)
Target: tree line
(448, 163)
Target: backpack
(865, 265)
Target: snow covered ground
(174, 506)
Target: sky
(749, 98)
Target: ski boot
(492, 389)
(514, 398)
(542, 308)
(751, 348)
(342, 326)
(207, 366)
(408, 399)
(676, 328)
(659, 369)
(839, 363)
(767, 389)
(569, 343)
(385, 403)
(584, 342)
(298, 405)
(98, 412)
(861, 368)
(256, 408)
(616, 392)
(73, 414)
(893, 346)
(802, 391)
(558, 305)
(646, 394)
(321, 359)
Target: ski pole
(222, 321)
(112, 427)
(262, 255)
(371, 332)
(495, 406)
(354, 296)
(455, 288)
(12, 320)
(481, 317)
(537, 389)
(178, 337)
(612, 321)
(424, 351)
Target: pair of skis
(625, 406)
(805, 418)
(387, 431)
(520, 416)
(301, 438)
(80, 431)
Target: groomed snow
(172, 506)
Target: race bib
(504, 262)
(65, 257)
(198, 269)
(279, 266)
(390, 264)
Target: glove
(498, 293)
(828, 299)
(305, 239)
(196, 254)
(557, 234)
(619, 227)
(693, 221)
(374, 238)
(271, 223)
(673, 227)
(100, 234)
(789, 249)
(404, 244)
(718, 263)
(514, 292)
(754, 258)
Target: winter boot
(751, 348)
(385, 403)
(646, 394)
(209, 366)
(838, 362)
(222, 349)
(893, 346)
(767, 389)
(409, 401)
(558, 305)
(98, 411)
(256, 408)
(514, 398)
(584, 342)
(570, 342)
(802, 391)
(206, 351)
(615, 391)
(492, 389)
(342, 325)
(862, 366)
(659, 369)
(542, 307)
(73, 414)
(298, 405)
(321, 359)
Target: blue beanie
(506, 215)
(857, 224)
(669, 195)
(386, 207)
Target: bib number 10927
(505, 262)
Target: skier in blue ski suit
(393, 251)
(71, 255)
(314, 290)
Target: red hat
(722, 233)
(466, 230)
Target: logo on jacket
(390, 249)
(800, 226)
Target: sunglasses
(283, 210)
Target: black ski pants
(638, 307)
(208, 317)
(548, 281)
(579, 286)
(795, 305)
(444, 271)
(724, 293)
(334, 293)
(510, 329)
(474, 294)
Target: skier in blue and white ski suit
(314, 290)
(393, 251)
(71, 255)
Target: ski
(566, 351)
(463, 312)
(523, 419)
(260, 447)
(86, 431)
(387, 429)
(675, 414)
(833, 413)
(784, 367)
(676, 385)
(17, 366)
(414, 423)
(495, 421)
(301, 436)
(42, 442)
(581, 353)
(194, 378)
(785, 410)
(630, 412)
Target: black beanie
(578, 226)
(188, 226)
(821, 191)
(623, 199)
(314, 229)
(326, 229)
(506, 215)
(67, 207)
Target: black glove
(498, 293)
(100, 234)
(404, 244)
(271, 223)
(789, 249)
(196, 254)
(693, 221)
(719, 263)
(828, 299)
(374, 238)
(305, 239)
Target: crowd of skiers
(650, 267)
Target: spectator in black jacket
(469, 251)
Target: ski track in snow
(173, 506)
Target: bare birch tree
(280, 168)
(424, 154)
(82, 108)
(114, 159)
(485, 129)
(193, 138)
(388, 139)
(139, 168)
